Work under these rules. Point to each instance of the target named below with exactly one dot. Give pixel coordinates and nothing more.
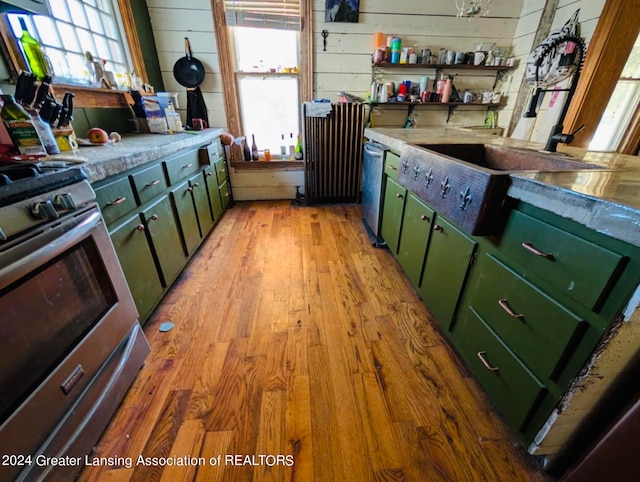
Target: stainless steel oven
(70, 342)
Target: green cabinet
(159, 213)
(445, 271)
(134, 253)
(392, 211)
(165, 238)
(414, 237)
(182, 198)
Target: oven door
(64, 309)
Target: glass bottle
(246, 150)
(21, 127)
(292, 147)
(283, 149)
(298, 150)
(254, 148)
(32, 51)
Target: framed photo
(342, 11)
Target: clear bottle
(32, 51)
(254, 148)
(283, 149)
(21, 127)
(292, 147)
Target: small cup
(459, 58)
(479, 57)
(198, 124)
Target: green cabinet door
(201, 201)
(214, 193)
(414, 237)
(392, 210)
(165, 238)
(225, 195)
(134, 253)
(445, 270)
(183, 201)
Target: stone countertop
(137, 149)
(606, 200)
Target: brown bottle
(254, 149)
(246, 150)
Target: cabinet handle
(209, 174)
(153, 183)
(531, 248)
(437, 227)
(195, 184)
(504, 304)
(223, 170)
(484, 361)
(392, 167)
(140, 227)
(226, 195)
(119, 200)
(399, 196)
(154, 217)
(189, 189)
(187, 166)
(424, 217)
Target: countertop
(606, 200)
(137, 149)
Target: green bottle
(21, 128)
(298, 150)
(32, 51)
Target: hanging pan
(188, 71)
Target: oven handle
(36, 251)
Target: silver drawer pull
(399, 196)
(140, 227)
(187, 166)
(392, 167)
(153, 183)
(424, 217)
(484, 361)
(437, 227)
(531, 248)
(119, 200)
(504, 304)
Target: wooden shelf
(492, 68)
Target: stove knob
(44, 210)
(64, 201)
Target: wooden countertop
(605, 200)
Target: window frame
(85, 96)
(227, 65)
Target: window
(266, 65)
(267, 68)
(621, 107)
(78, 27)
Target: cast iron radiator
(333, 147)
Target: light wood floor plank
(294, 337)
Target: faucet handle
(577, 130)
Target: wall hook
(325, 34)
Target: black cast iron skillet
(188, 71)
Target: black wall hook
(325, 34)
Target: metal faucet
(557, 136)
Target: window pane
(94, 20)
(68, 33)
(269, 109)
(616, 117)
(77, 13)
(260, 49)
(59, 10)
(46, 31)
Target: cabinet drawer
(182, 165)
(510, 385)
(535, 327)
(391, 165)
(149, 183)
(576, 267)
(115, 199)
(210, 153)
(221, 170)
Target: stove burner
(14, 172)
(22, 181)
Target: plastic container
(396, 48)
(446, 91)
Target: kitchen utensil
(188, 71)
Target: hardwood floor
(304, 351)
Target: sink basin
(468, 183)
(510, 159)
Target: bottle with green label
(20, 126)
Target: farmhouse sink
(500, 158)
(468, 183)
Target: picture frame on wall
(342, 11)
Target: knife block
(66, 138)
